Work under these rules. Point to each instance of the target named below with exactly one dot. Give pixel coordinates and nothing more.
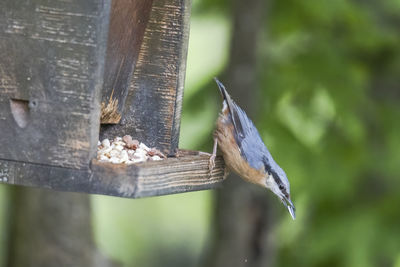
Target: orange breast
(231, 153)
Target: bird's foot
(211, 162)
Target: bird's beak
(289, 205)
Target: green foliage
(330, 73)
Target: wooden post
(51, 74)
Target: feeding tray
(74, 72)
(188, 172)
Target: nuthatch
(245, 153)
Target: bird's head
(277, 182)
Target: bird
(245, 153)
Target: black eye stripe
(279, 183)
(275, 176)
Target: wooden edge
(180, 83)
(169, 176)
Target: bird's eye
(281, 187)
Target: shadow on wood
(127, 25)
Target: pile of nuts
(127, 151)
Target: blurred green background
(329, 78)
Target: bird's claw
(211, 162)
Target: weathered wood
(153, 105)
(51, 57)
(188, 172)
(128, 21)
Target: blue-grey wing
(253, 149)
(251, 146)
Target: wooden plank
(153, 105)
(189, 172)
(7, 171)
(51, 59)
(128, 21)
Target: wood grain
(128, 21)
(153, 105)
(52, 55)
(189, 172)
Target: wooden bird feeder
(73, 72)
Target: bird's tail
(222, 90)
(233, 108)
